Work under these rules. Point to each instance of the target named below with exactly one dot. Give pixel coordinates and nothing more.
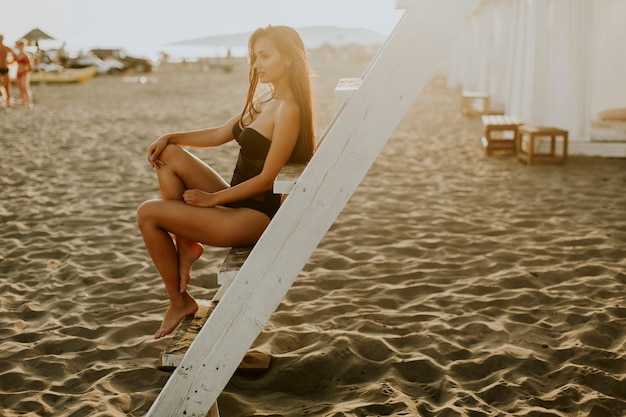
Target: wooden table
(528, 135)
(500, 133)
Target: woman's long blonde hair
(288, 43)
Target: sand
(452, 284)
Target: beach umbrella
(36, 35)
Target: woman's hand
(154, 150)
(199, 198)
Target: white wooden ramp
(353, 141)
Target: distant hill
(313, 37)
(316, 36)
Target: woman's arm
(208, 137)
(284, 137)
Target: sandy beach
(452, 284)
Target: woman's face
(269, 63)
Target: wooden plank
(232, 264)
(500, 120)
(254, 362)
(401, 69)
(346, 88)
(287, 177)
(185, 334)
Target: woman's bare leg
(183, 171)
(188, 253)
(25, 92)
(29, 92)
(215, 226)
(174, 257)
(165, 257)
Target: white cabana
(548, 62)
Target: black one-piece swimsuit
(252, 153)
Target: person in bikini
(5, 80)
(198, 207)
(24, 68)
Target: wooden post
(390, 85)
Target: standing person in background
(25, 66)
(198, 207)
(5, 79)
(62, 55)
(37, 58)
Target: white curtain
(551, 73)
(609, 56)
(481, 58)
(549, 62)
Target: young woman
(5, 81)
(24, 68)
(198, 207)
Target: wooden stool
(531, 154)
(474, 103)
(500, 133)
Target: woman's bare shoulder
(288, 107)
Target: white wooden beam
(401, 69)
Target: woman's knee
(171, 153)
(174, 158)
(146, 213)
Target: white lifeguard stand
(375, 105)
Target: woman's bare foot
(175, 314)
(188, 252)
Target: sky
(147, 26)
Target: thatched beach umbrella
(36, 35)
